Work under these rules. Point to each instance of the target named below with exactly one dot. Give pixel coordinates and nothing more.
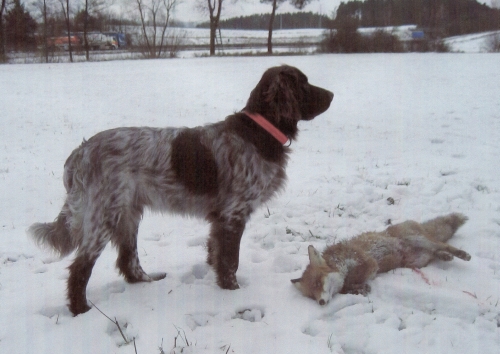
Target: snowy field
(472, 43)
(423, 129)
(195, 43)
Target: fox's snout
(319, 281)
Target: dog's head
(284, 96)
(319, 281)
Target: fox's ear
(315, 257)
(297, 283)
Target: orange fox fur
(346, 266)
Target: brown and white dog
(221, 172)
(346, 266)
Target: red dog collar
(266, 125)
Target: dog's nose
(322, 302)
(331, 95)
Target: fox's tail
(444, 227)
(54, 234)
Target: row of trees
(215, 9)
(19, 31)
(57, 17)
(281, 21)
(448, 17)
(19, 27)
(346, 38)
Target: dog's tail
(54, 234)
(444, 227)
(64, 234)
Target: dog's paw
(228, 282)
(78, 308)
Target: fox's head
(319, 281)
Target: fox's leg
(437, 248)
(357, 289)
(357, 276)
(443, 255)
(454, 251)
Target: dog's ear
(315, 257)
(297, 283)
(281, 96)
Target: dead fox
(346, 266)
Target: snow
(423, 129)
(472, 43)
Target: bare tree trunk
(271, 22)
(158, 14)
(3, 55)
(153, 10)
(214, 21)
(85, 28)
(140, 7)
(68, 26)
(169, 5)
(213, 34)
(45, 32)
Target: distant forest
(448, 17)
(443, 17)
(281, 21)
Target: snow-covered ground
(423, 129)
(199, 36)
(472, 43)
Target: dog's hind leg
(130, 267)
(125, 238)
(81, 269)
(79, 275)
(224, 250)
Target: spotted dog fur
(221, 172)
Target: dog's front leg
(224, 250)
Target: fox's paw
(462, 255)
(359, 289)
(444, 256)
